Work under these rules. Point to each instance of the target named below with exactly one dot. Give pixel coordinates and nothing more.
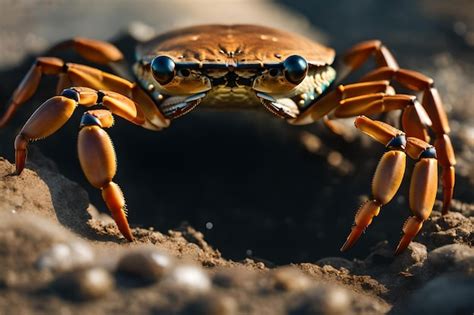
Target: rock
(211, 305)
(84, 284)
(146, 263)
(452, 228)
(289, 279)
(414, 255)
(324, 299)
(188, 277)
(454, 257)
(65, 256)
(444, 295)
(383, 258)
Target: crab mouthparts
(231, 79)
(176, 106)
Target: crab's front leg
(98, 161)
(96, 152)
(388, 177)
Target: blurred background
(255, 186)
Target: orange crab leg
(30, 83)
(423, 188)
(333, 99)
(96, 152)
(98, 161)
(372, 104)
(46, 120)
(433, 106)
(71, 74)
(414, 126)
(432, 103)
(56, 111)
(388, 177)
(361, 52)
(93, 50)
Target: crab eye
(163, 69)
(295, 69)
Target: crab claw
(363, 219)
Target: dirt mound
(58, 252)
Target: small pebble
(211, 305)
(190, 277)
(66, 256)
(325, 299)
(84, 284)
(145, 263)
(290, 279)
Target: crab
(253, 68)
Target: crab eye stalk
(295, 69)
(164, 69)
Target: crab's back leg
(388, 177)
(71, 74)
(413, 122)
(93, 50)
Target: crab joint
(45, 121)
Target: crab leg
(98, 161)
(334, 98)
(388, 177)
(423, 188)
(71, 74)
(30, 83)
(388, 69)
(432, 104)
(96, 152)
(56, 111)
(45, 121)
(361, 52)
(92, 50)
(372, 104)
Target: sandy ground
(47, 269)
(243, 239)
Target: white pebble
(65, 256)
(189, 276)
